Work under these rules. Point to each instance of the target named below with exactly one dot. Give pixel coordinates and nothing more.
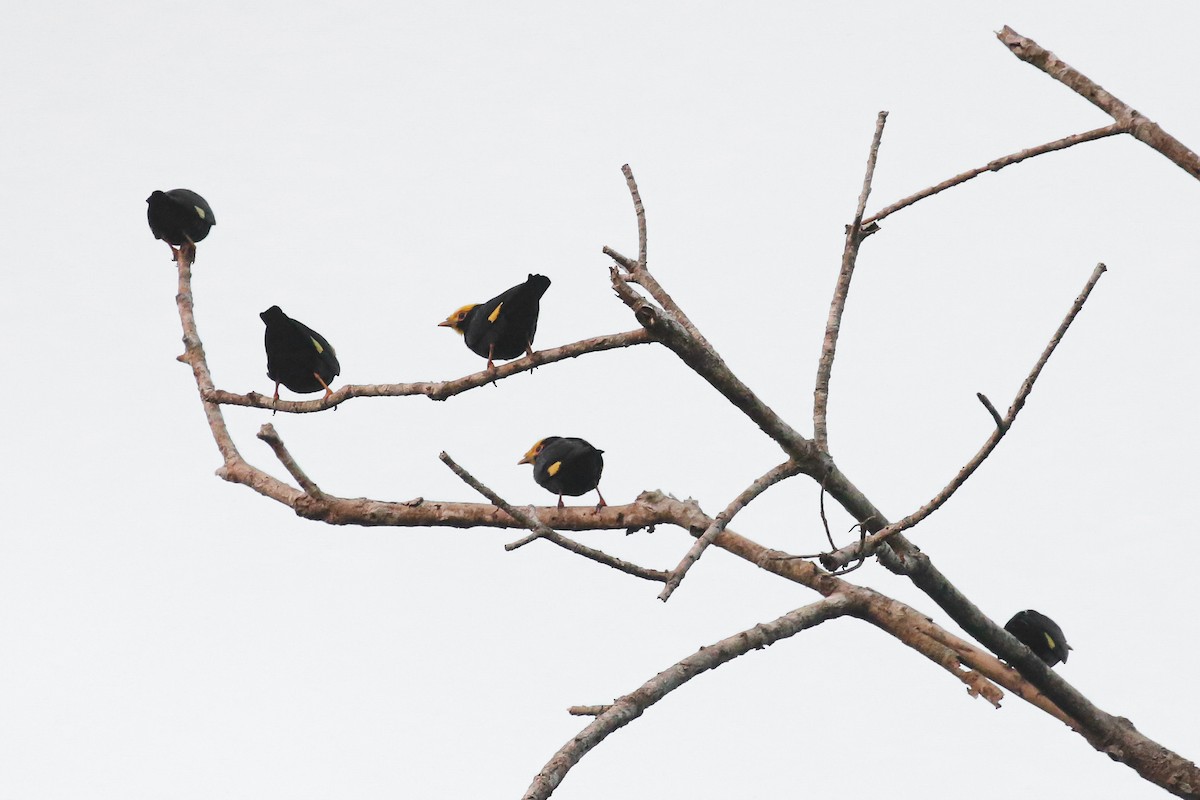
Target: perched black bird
(297, 356)
(179, 217)
(1040, 634)
(566, 466)
(504, 326)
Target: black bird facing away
(1040, 634)
(179, 217)
(566, 466)
(504, 326)
(297, 356)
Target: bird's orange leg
(328, 391)
(601, 504)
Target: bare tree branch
(708, 364)
(638, 273)
(588, 711)
(269, 435)
(435, 390)
(193, 355)
(628, 708)
(1142, 129)
(529, 520)
(854, 238)
(997, 164)
(639, 211)
(666, 322)
(1114, 736)
(864, 548)
(776, 474)
(991, 409)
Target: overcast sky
(374, 166)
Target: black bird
(180, 217)
(566, 466)
(1040, 634)
(297, 356)
(504, 326)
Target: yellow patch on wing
(1050, 641)
(553, 469)
(492, 317)
(199, 211)
(317, 345)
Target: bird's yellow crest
(454, 321)
(533, 453)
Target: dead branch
(269, 435)
(664, 321)
(628, 708)
(588, 711)
(708, 364)
(1142, 129)
(435, 390)
(779, 473)
(997, 164)
(854, 238)
(858, 550)
(529, 520)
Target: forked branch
(1142, 129)
(862, 549)
(540, 531)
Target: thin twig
(824, 519)
(776, 474)
(991, 409)
(862, 535)
(435, 390)
(854, 238)
(997, 164)
(588, 711)
(269, 435)
(840, 558)
(1142, 128)
(541, 531)
(639, 210)
(641, 275)
(628, 708)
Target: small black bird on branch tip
(179, 217)
(1040, 634)
(504, 326)
(566, 466)
(297, 356)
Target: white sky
(374, 166)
